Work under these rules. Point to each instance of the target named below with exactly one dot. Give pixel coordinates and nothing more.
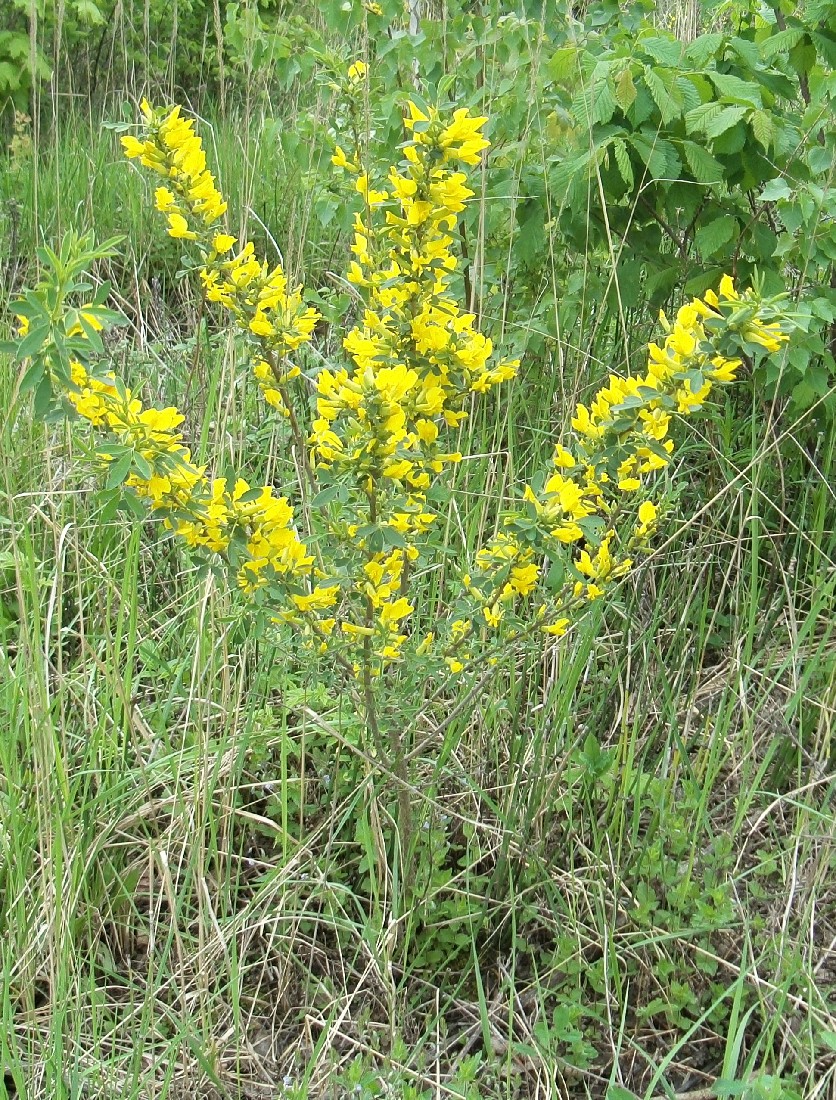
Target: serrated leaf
(565, 171)
(728, 117)
(622, 159)
(748, 52)
(698, 118)
(665, 51)
(669, 109)
(711, 238)
(703, 49)
(763, 128)
(733, 88)
(604, 103)
(595, 103)
(656, 155)
(689, 91)
(625, 91)
(705, 167)
(776, 189)
(563, 63)
(781, 41)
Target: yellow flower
(357, 71)
(164, 199)
(394, 612)
(223, 242)
(558, 628)
(179, 227)
(318, 600)
(132, 146)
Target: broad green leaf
(604, 103)
(563, 64)
(733, 88)
(625, 91)
(693, 90)
(776, 189)
(748, 52)
(657, 154)
(763, 128)
(705, 167)
(665, 51)
(698, 118)
(728, 117)
(669, 109)
(781, 42)
(703, 49)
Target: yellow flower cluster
(201, 511)
(258, 295)
(415, 360)
(417, 355)
(622, 439)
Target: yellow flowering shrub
(376, 434)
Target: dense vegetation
(480, 743)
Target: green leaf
(703, 49)
(739, 91)
(604, 103)
(705, 167)
(622, 159)
(32, 378)
(776, 189)
(828, 1039)
(118, 470)
(669, 109)
(32, 342)
(665, 51)
(563, 64)
(327, 495)
(728, 117)
(625, 91)
(748, 52)
(391, 537)
(43, 397)
(763, 128)
(142, 466)
(781, 42)
(710, 238)
(616, 1092)
(698, 118)
(657, 154)
(594, 103)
